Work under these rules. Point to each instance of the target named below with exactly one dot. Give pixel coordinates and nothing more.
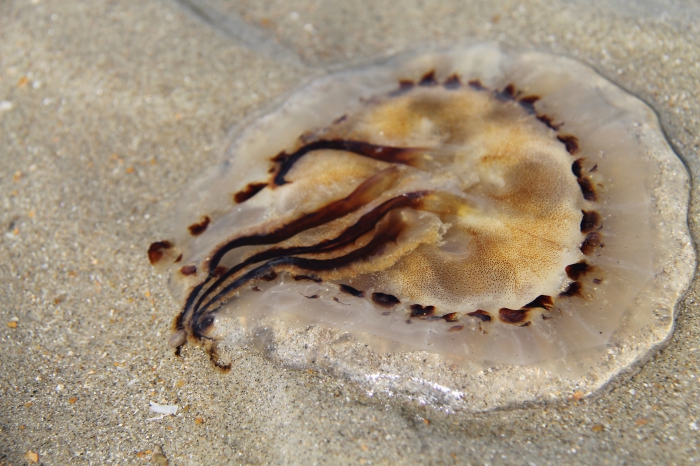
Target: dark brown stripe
(352, 233)
(400, 155)
(366, 192)
(389, 232)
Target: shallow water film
(468, 228)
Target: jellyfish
(483, 208)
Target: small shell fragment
(163, 409)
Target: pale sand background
(109, 108)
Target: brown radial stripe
(388, 233)
(400, 155)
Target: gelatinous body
(485, 208)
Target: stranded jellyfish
(468, 228)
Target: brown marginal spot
(452, 82)
(256, 288)
(508, 93)
(540, 302)
(547, 120)
(199, 228)
(179, 258)
(528, 103)
(405, 85)
(570, 142)
(597, 281)
(428, 79)
(513, 316)
(155, 251)
(595, 168)
(590, 221)
(351, 291)
(220, 270)
(421, 311)
(455, 328)
(476, 84)
(574, 271)
(188, 270)
(481, 315)
(451, 317)
(587, 189)
(592, 241)
(315, 296)
(574, 289)
(311, 278)
(385, 300)
(249, 191)
(577, 167)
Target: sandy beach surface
(109, 109)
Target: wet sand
(108, 110)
